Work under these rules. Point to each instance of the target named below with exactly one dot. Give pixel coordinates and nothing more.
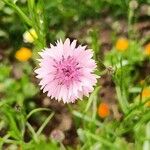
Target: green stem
(37, 110)
(122, 101)
(32, 132)
(130, 18)
(44, 124)
(19, 11)
(92, 98)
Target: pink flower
(67, 71)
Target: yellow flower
(23, 54)
(147, 49)
(146, 94)
(122, 44)
(30, 36)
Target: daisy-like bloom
(103, 110)
(67, 71)
(23, 54)
(122, 44)
(30, 36)
(147, 49)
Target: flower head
(122, 44)
(147, 49)
(146, 92)
(146, 95)
(30, 36)
(103, 110)
(23, 54)
(66, 71)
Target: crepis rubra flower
(66, 71)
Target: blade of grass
(143, 120)
(44, 124)
(121, 100)
(100, 139)
(92, 97)
(2, 140)
(32, 132)
(86, 118)
(37, 110)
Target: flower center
(67, 70)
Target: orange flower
(23, 54)
(146, 94)
(147, 49)
(122, 44)
(103, 110)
